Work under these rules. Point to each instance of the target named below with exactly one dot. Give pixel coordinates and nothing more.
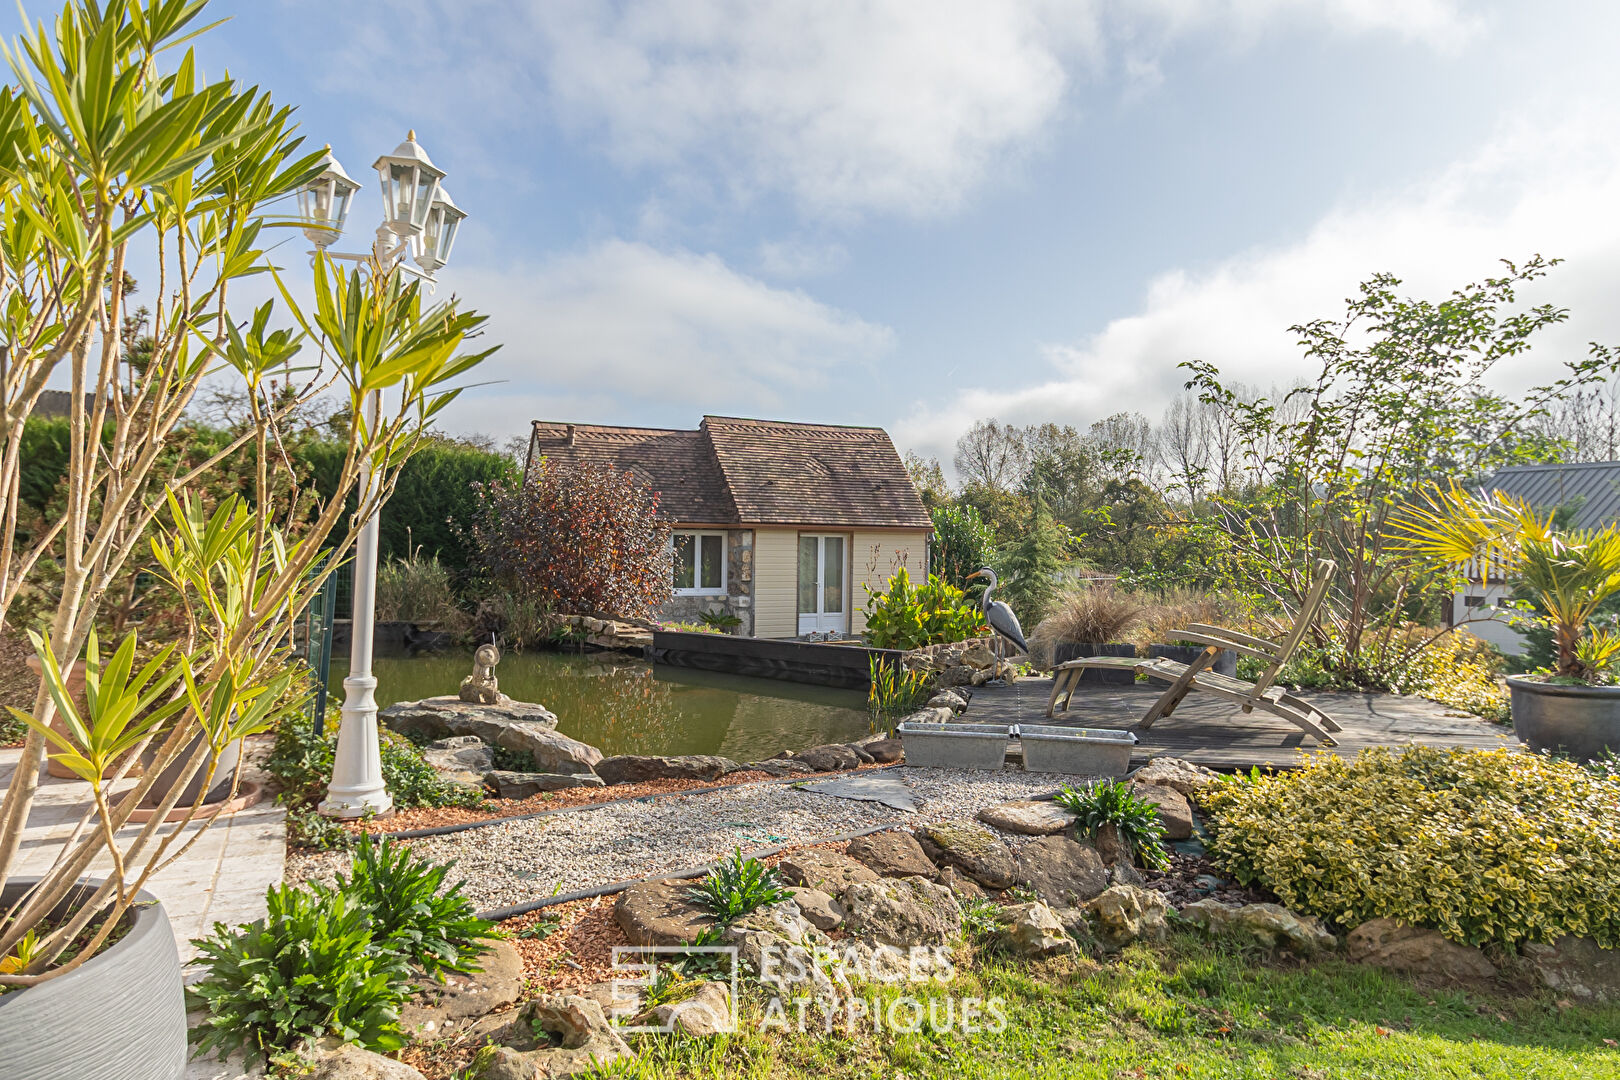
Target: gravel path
(517, 861)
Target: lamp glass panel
(432, 230)
(402, 194)
(447, 236)
(342, 193)
(427, 188)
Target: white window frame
(697, 561)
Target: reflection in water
(628, 706)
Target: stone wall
(739, 598)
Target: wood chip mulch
(578, 952)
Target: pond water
(625, 706)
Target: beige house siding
(876, 556)
(776, 582)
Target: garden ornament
(480, 687)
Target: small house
(782, 525)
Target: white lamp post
(420, 221)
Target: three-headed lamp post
(420, 221)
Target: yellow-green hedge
(1482, 845)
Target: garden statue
(480, 687)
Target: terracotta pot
(75, 686)
(122, 1014)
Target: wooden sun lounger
(1261, 694)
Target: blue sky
(917, 213)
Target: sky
(915, 214)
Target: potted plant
(1574, 707)
(90, 979)
(1091, 620)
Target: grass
(1188, 1009)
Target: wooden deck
(1210, 732)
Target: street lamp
(420, 221)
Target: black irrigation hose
(501, 914)
(445, 830)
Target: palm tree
(1570, 572)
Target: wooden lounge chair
(1184, 678)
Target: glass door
(822, 585)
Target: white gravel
(516, 861)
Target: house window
(700, 563)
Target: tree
(961, 544)
(578, 539)
(992, 455)
(928, 478)
(1030, 565)
(106, 149)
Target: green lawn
(1188, 1009)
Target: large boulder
(523, 785)
(1395, 946)
(1182, 776)
(779, 767)
(436, 1006)
(1061, 871)
(334, 1060)
(661, 913)
(1175, 813)
(885, 751)
(972, 849)
(634, 768)
(1268, 925)
(892, 853)
(1028, 817)
(463, 759)
(902, 912)
(1576, 967)
(828, 871)
(588, 1042)
(1126, 913)
(1034, 930)
(831, 757)
(519, 726)
(781, 946)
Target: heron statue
(998, 614)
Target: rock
(513, 725)
(463, 764)
(827, 871)
(979, 657)
(894, 853)
(830, 757)
(634, 768)
(588, 1042)
(886, 751)
(902, 912)
(1270, 925)
(972, 849)
(861, 755)
(1395, 946)
(1029, 817)
(1076, 921)
(334, 1060)
(1123, 873)
(436, 1006)
(1061, 871)
(522, 785)
(780, 767)
(958, 675)
(821, 910)
(620, 998)
(1034, 930)
(964, 889)
(1126, 913)
(1175, 813)
(780, 945)
(1173, 773)
(705, 1013)
(946, 699)
(1111, 848)
(1575, 966)
(661, 913)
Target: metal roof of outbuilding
(1595, 484)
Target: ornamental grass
(1486, 846)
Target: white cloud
(1532, 189)
(624, 329)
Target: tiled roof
(757, 472)
(1596, 485)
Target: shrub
(422, 920)
(1135, 820)
(737, 886)
(417, 590)
(1482, 845)
(896, 690)
(579, 539)
(301, 762)
(1085, 615)
(907, 616)
(961, 544)
(723, 621)
(309, 968)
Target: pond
(625, 706)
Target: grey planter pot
(955, 746)
(1225, 660)
(1082, 751)
(123, 1014)
(1582, 721)
(224, 767)
(1066, 651)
